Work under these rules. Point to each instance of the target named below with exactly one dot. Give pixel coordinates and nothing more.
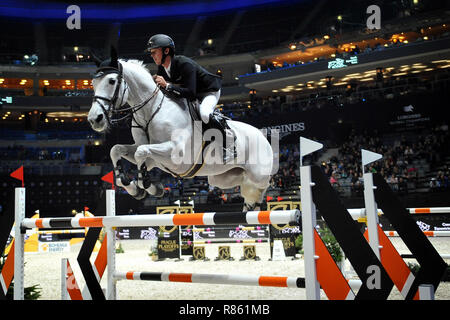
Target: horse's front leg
(118, 152)
(151, 153)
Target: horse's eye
(112, 81)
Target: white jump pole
(64, 294)
(111, 291)
(308, 220)
(369, 201)
(19, 239)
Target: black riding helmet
(161, 41)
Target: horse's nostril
(99, 118)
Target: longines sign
(286, 129)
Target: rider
(187, 79)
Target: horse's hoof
(141, 194)
(159, 190)
(248, 207)
(124, 180)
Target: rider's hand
(160, 81)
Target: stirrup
(141, 194)
(159, 190)
(228, 154)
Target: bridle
(113, 109)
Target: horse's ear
(114, 57)
(96, 59)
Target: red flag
(279, 198)
(269, 198)
(109, 177)
(86, 209)
(18, 174)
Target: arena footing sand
(44, 269)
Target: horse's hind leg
(253, 195)
(227, 180)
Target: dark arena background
(329, 71)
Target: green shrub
(328, 239)
(299, 243)
(30, 293)
(332, 245)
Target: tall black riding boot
(219, 123)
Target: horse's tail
(275, 145)
(275, 160)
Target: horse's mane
(139, 63)
(134, 61)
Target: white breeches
(208, 103)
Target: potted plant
(153, 254)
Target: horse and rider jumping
(167, 136)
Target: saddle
(194, 112)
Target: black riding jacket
(188, 79)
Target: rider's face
(156, 55)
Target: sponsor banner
(133, 233)
(54, 247)
(231, 234)
(287, 234)
(187, 237)
(168, 243)
(428, 222)
(336, 118)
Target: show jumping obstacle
(374, 259)
(111, 221)
(377, 258)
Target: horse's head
(109, 92)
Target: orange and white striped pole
(231, 279)
(207, 218)
(443, 233)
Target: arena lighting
(67, 114)
(440, 61)
(95, 11)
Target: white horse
(166, 137)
